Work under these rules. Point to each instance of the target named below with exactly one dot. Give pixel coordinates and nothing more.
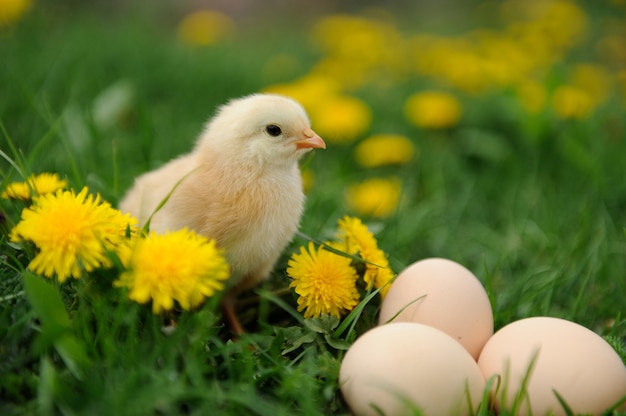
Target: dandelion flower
(12, 10)
(377, 270)
(34, 185)
(179, 266)
(72, 233)
(384, 149)
(594, 79)
(433, 109)
(377, 197)
(324, 281)
(205, 27)
(358, 239)
(310, 90)
(355, 236)
(532, 96)
(358, 49)
(337, 117)
(570, 102)
(341, 119)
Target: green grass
(534, 206)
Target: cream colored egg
(445, 295)
(566, 357)
(395, 368)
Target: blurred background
(132, 69)
(489, 132)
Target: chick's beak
(310, 141)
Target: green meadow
(512, 124)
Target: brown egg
(396, 368)
(445, 295)
(553, 355)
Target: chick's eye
(273, 130)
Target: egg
(554, 355)
(445, 295)
(396, 368)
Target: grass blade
(146, 226)
(56, 324)
(568, 410)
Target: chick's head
(266, 128)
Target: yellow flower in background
(571, 102)
(558, 23)
(72, 232)
(537, 34)
(564, 21)
(324, 281)
(620, 79)
(179, 266)
(594, 79)
(40, 184)
(205, 27)
(12, 10)
(350, 74)
(375, 197)
(311, 90)
(532, 96)
(453, 61)
(341, 119)
(384, 149)
(502, 59)
(357, 37)
(356, 238)
(359, 48)
(433, 109)
(475, 62)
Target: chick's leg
(229, 300)
(230, 313)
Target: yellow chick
(240, 185)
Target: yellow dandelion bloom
(205, 27)
(594, 79)
(179, 266)
(356, 238)
(341, 119)
(362, 39)
(433, 109)
(72, 233)
(377, 197)
(621, 84)
(310, 90)
(358, 49)
(384, 149)
(565, 22)
(34, 185)
(532, 96)
(570, 102)
(325, 282)
(12, 10)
